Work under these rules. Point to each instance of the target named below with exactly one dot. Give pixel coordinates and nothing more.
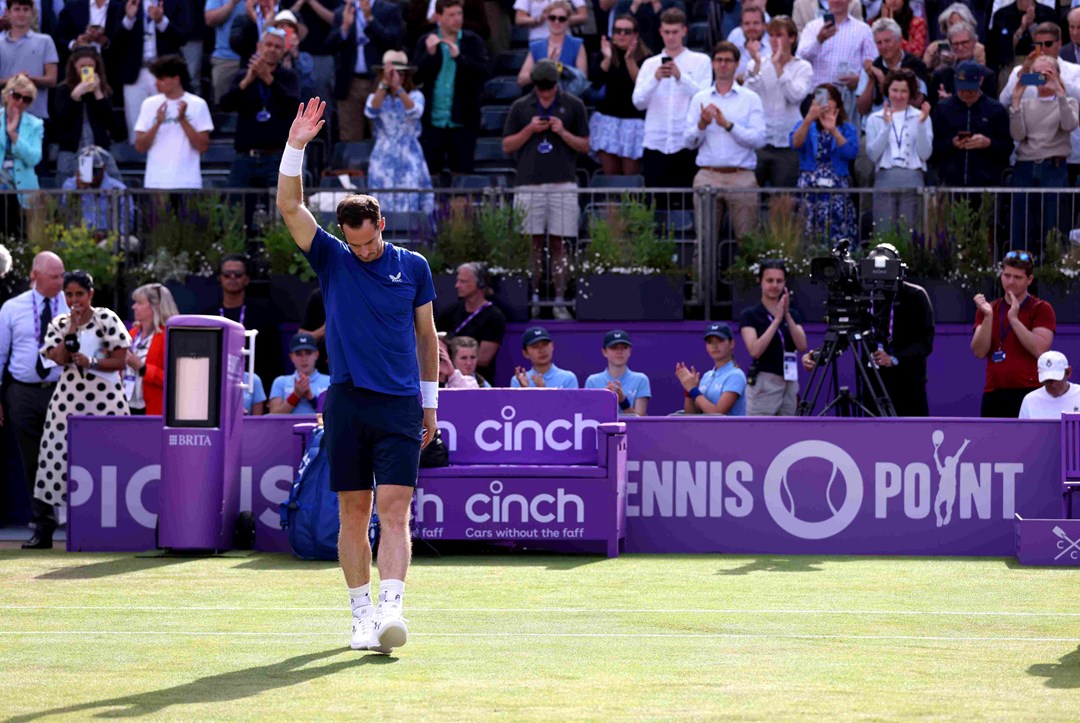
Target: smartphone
(94, 29)
(664, 59)
(87, 73)
(963, 135)
(86, 168)
(830, 19)
(1033, 79)
(944, 47)
(821, 97)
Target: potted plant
(509, 255)
(1058, 276)
(84, 248)
(291, 277)
(971, 270)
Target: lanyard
(471, 316)
(138, 337)
(892, 316)
(243, 311)
(37, 317)
(899, 138)
(264, 93)
(780, 331)
(1003, 325)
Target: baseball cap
(303, 340)
(546, 72)
(969, 75)
(616, 336)
(720, 329)
(1052, 365)
(534, 334)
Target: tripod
(837, 341)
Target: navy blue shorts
(371, 437)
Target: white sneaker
(389, 631)
(363, 623)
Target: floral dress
(829, 216)
(79, 392)
(397, 161)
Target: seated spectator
(751, 39)
(870, 92)
(837, 50)
(532, 14)
(1011, 31)
(451, 66)
(936, 56)
(463, 355)
(22, 150)
(1041, 127)
(961, 41)
(23, 51)
(221, 15)
(397, 160)
(539, 349)
(296, 393)
(630, 387)
(144, 370)
(617, 128)
(971, 133)
(234, 275)
(827, 144)
(559, 46)
(255, 398)
(82, 111)
(547, 130)
(722, 389)
(475, 316)
(97, 209)
(912, 27)
(1058, 395)
(782, 81)
(148, 32)
(173, 129)
(773, 334)
(803, 11)
(899, 140)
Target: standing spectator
(956, 14)
(647, 14)
(871, 92)
(26, 52)
(172, 129)
(899, 140)
(803, 11)
(722, 389)
(1011, 333)
(248, 29)
(397, 161)
(97, 208)
(297, 393)
(630, 388)
(294, 58)
(316, 18)
(971, 133)
(532, 14)
(539, 349)
(192, 49)
(782, 81)
(559, 45)
(751, 39)
(1058, 396)
(475, 316)
(451, 67)
(1011, 31)
(547, 129)
(82, 111)
(87, 22)
(962, 43)
(617, 128)
(24, 319)
(1069, 51)
(838, 49)
(224, 61)
(912, 27)
(1041, 127)
(665, 84)
(144, 370)
(827, 144)
(22, 150)
(463, 355)
(773, 334)
(264, 97)
(150, 30)
(726, 124)
(361, 32)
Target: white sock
(360, 598)
(392, 590)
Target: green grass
(531, 637)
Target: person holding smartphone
(837, 46)
(971, 133)
(82, 111)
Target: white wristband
(429, 395)
(292, 161)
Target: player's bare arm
(290, 195)
(427, 352)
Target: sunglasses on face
(1046, 43)
(233, 274)
(20, 98)
(623, 31)
(1022, 255)
(558, 18)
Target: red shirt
(1018, 370)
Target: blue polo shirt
(283, 386)
(370, 314)
(555, 378)
(256, 395)
(634, 384)
(728, 378)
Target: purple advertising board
(1048, 542)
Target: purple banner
(1048, 542)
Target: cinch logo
(518, 508)
(510, 436)
(190, 440)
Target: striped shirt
(842, 54)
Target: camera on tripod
(854, 285)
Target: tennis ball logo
(781, 492)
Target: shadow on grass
(235, 685)
(108, 568)
(1063, 674)
(796, 563)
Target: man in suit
(148, 30)
(87, 22)
(1072, 20)
(361, 32)
(248, 28)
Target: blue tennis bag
(310, 515)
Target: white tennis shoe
(389, 630)
(363, 624)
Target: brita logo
(190, 440)
(544, 507)
(515, 436)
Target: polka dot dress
(79, 393)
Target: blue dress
(397, 161)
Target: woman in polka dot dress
(91, 344)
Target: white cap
(1052, 365)
(286, 16)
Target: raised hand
(161, 112)
(828, 119)
(605, 47)
(924, 111)
(348, 17)
(131, 8)
(538, 380)
(521, 376)
(1014, 306)
(155, 12)
(432, 43)
(181, 110)
(307, 124)
(983, 305)
(616, 386)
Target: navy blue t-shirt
(370, 331)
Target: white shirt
(718, 147)
(536, 8)
(781, 97)
(842, 54)
(1040, 405)
(738, 38)
(904, 143)
(665, 102)
(172, 162)
(864, 79)
(1070, 76)
(150, 30)
(98, 14)
(18, 344)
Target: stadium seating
(502, 89)
(509, 62)
(352, 155)
(493, 119)
(489, 157)
(405, 226)
(699, 33)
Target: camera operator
(903, 322)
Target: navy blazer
(74, 18)
(126, 50)
(1068, 52)
(385, 32)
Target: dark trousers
(1035, 214)
(25, 411)
(259, 171)
(669, 170)
(451, 148)
(1003, 403)
(777, 167)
